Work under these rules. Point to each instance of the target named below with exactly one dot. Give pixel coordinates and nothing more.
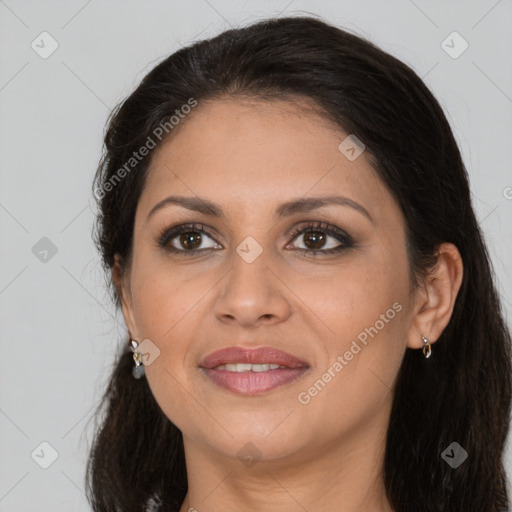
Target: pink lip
(263, 355)
(252, 383)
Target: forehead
(258, 153)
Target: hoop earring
(427, 348)
(138, 370)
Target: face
(325, 283)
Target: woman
(314, 325)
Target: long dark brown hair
(461, 394)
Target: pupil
(187, 240)
(316, 237)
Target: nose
(252, 294)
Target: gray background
(59, 328)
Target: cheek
(165, 307)
(363, 308)
(163, 296)
(351, 295)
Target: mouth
(252, 371)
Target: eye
(186, 238)
(316, 236)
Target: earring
(427, 349)
(138, 369)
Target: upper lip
(262, 355)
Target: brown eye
(190, 240)
(186, 238)
(314, 239)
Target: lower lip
(253, 383)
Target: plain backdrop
(59, 329)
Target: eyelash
(168, 234)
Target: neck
(344, 477)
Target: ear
(120, 278)
(436, 297)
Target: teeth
(245, 367)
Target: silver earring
(427, 348)
(138, 369)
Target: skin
(249, 157)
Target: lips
(252, 371)
(261, 355)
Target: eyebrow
(287, 209)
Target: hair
(462, 393)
